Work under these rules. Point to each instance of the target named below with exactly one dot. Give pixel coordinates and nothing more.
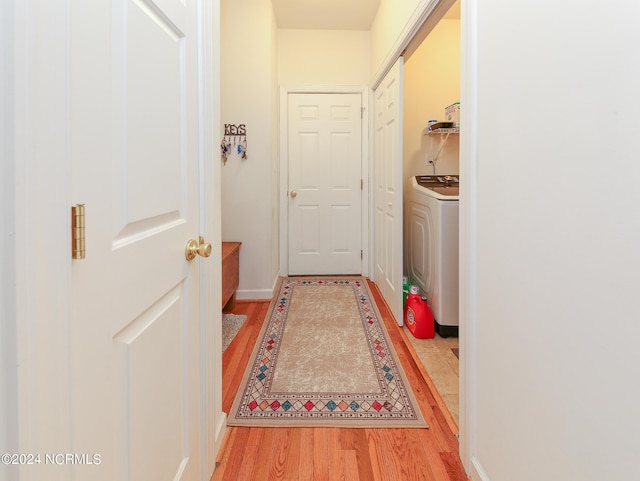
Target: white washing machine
(433, 246)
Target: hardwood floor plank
(332, 454)
(237, 454)
(350, 466)
(292, 460)
(453, 467)
(320, 454)
(347, 438)
(281, 446)
(307, 448)
(253, 445)
(265, 455)
(377, 474)
(385, 464)
(248, 467)
(256, 435)
(336, 457)
(222, 460)
(363, 458)
(415, 454)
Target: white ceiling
(332, 14)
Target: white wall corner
(8, 360)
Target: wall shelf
(441, 131)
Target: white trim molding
(42, 229)
(468, 239)
(214, 419)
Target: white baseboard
(259, 294)
(477, 472)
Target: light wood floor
(328, 454)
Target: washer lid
(445, 185)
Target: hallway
(332, 453)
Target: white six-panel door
(325, 183)
(388, 189)
(135, 332)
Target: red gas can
(418, 316)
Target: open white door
(388, 189)
(135, 335)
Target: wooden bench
(230, 273)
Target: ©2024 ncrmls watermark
(51, 458)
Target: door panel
(135, 161)
(152, 117)
(325, 171)
(150, 365)
(388, 189)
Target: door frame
(214, 420)
(36, 227)
(283, 197)
(39, 219)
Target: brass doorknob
(195, 248)
(293, 193)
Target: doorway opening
(432, 83)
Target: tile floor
(442, 365)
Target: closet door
(388, 189)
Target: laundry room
(431, 173)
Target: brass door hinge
(77, 231)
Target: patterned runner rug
(324, 358)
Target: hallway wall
(323, 57)
(256, 59)
(249, 95)
(555, 260)
(390, 20)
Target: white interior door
(388, 189)
(135, 337)
(325, 183)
